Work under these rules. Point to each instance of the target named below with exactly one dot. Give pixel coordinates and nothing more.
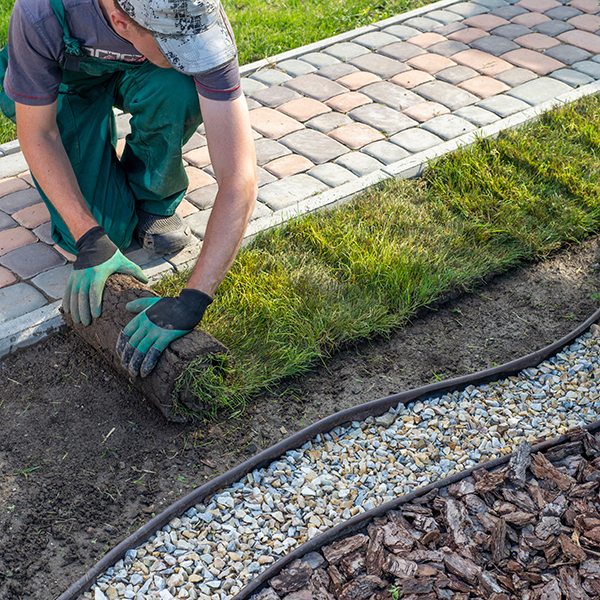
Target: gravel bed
(213, 550)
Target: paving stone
(588, 67)
(360, 164)
(567, 54)
(487, 22)
(355, 135)
(123, 127)
(552, 28)
(19, 299)
(12, 185)
(401, 51)
(11, 203)
(587, 6)
(28, 261)
(448, 126)
(53, 282)
(571, 77)
(199, 157)
(251, 86)
(385, 152)
(375, 39)
(6, 278)
(425, 110)
(530, 20)
(319, 60)
(538, 5)
(425, 40)
(12, 165)
(494, 44)
(6, 222)
(345, 51)
(511, 31)
(503, 105)
(534, 61)
(466, 36)
(410, 79)
(288, 165)
(508, 12)
(268, 150)
(446, 94)
(448, 48)
(483, 86)
(391, 95)
(536, 41)
(328, 122)
(422, 23)
(383, 66)
(382, 118)
(260, 211)
(204, 197)
(32, 216)
(431, 63)
(198, 178)
(44, 233)
(346, 102)
(275, 96)
(446, 30)
(317, 87)
(290, 191)
(516, 76)
(263, 177)
(582, 39)
(562, 13)
(332, 175)
(486, 64)
(272, 123)
(196, 141)
(467, 9)
(198, 222)
(492, 4)
(357, 80)
(415, 140)
(270, 77)
(444, 16)
(402, 31)
(477, 115)
(66, 255)
(185, 208)
(252, 104)
(314, 145)
(303, 109)
(16, 237)
(295, 67)
(336, 71)
(456, 75)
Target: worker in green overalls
(172, 65)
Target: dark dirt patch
(85, 460)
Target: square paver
(19, 299)
(446, 94)
(534, 61)
(357, 80)
(328, 122)
(249, 87)
(552, 28)
(185, 208)
(430, 63)
(12, 185)
(494, 44)
(375, 39)
(422, 23)
(199, 157)
(487, 22)
(198, 222)
(412, 78)
(448, 48)
(272, 123)
(334, 72)
(385, 152)
(12, 203)
(567, 54)
(485, 63)
(402, 31)
(468, 35)
(424, 40)
(303, 109)
(270, 77)
(516, 76)
(13, 238)
(456, 75)
(268, 150)
(196, 141)
(346, 51)
(582, 39)
(511, 31)
(356, 135)
(571, 77)
(416, 140)
(588, 67)
(562, 13)
(28, 261)
(425, 110)
(391, 95)
(346, 102)
(332, 175)
(295, 67)
(317, 87)
(197, 178)
(7, 278)
(538, 5)
(71, 257)
(536, 41)
(380, 65)
(530, 19)
(587, 6)
(448, 127)
(444, 16)
(483, 86)
(477, 115)
(401, 51)
(6, 222)
(203, 198)
(503, 105)
(275, 96)
(12, 165)
(360, 164)
(508, 12)
(290, 191)
(319, 60)
(32, 216)
(292, 164)
(53, 282)
(44, 233)
(382, 118)
(314, 145)
(467, 9)
(263, 177)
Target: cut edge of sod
(301, 292)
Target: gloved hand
(97, 259)
(163, 320)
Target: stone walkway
(332, 119)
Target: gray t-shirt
(36, 49)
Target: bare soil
(85, 459)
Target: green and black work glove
(97, 259)
(161, 320)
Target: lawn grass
(8, 131)
(299, 292)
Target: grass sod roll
(302, 291)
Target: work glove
(161, 320)
(97, 259)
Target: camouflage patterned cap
(193, 35)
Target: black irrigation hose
(356, 413)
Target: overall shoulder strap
(72, 45)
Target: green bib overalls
(165, 112)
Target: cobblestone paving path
(333, 118)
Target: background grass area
(298, 293)
(8, 131)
